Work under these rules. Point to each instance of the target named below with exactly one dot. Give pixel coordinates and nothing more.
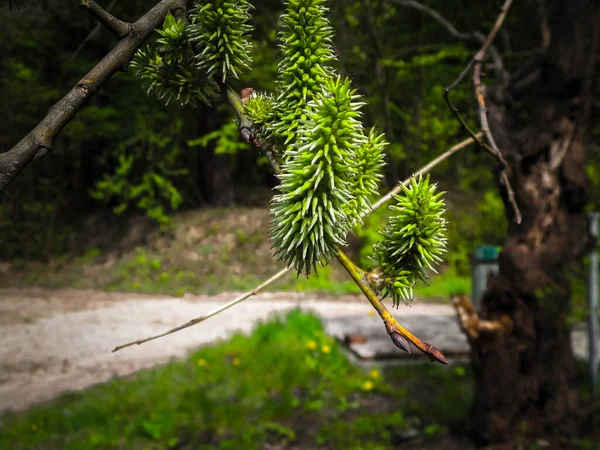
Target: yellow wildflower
(202, 362)
(368, 385)
(312, 345)
(374, 374)
(326, 349)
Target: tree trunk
(524, 375)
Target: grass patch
(287, 384)
(443, 286)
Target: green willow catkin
(307, 53)
(167, 67)
(219, 29)
(369, 162)
(261, 112)
(413, 240)
(310, 220)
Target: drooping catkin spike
(310, 218)
(307, 55)
(167, 67)
(413, 241)
(220, 30)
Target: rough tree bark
(524, 370)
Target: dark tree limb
(38, 142)
(117, 27)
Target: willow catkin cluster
(220, 29)
(413, 240)
(167, 67)
(310, 218)
(307, 53)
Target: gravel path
(57, 341)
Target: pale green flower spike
(310, 220)
(307, 54)
(413, 240)
(370, 161)
(167, 68)
(261, 112)
(219, 29)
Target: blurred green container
(483, 264)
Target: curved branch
(38, 142)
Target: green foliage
(310, 217)
(413, 241)
(152, 190)
(167, 68)
(307, 55)
(226, 140)
(219, 29)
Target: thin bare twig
(210, 314)
(38, 142)
(475, 63)
(491, 147)
(117, 27)
(426, 168)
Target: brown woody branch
(491, 146)
(117, 27)
(476, 63)
(38, 142)
(472, 325)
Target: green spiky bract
(413, 240)
(310, 220)
(167, 68)
(219, 29)
(307, 54)
(369, 162)
(261, 112)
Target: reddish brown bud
(400, 341)
(435, 355)
(245, 94)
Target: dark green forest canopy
(129, 153)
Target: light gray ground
(57, 341)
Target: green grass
(288, 384)
(442, 286)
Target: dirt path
(57, 341)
